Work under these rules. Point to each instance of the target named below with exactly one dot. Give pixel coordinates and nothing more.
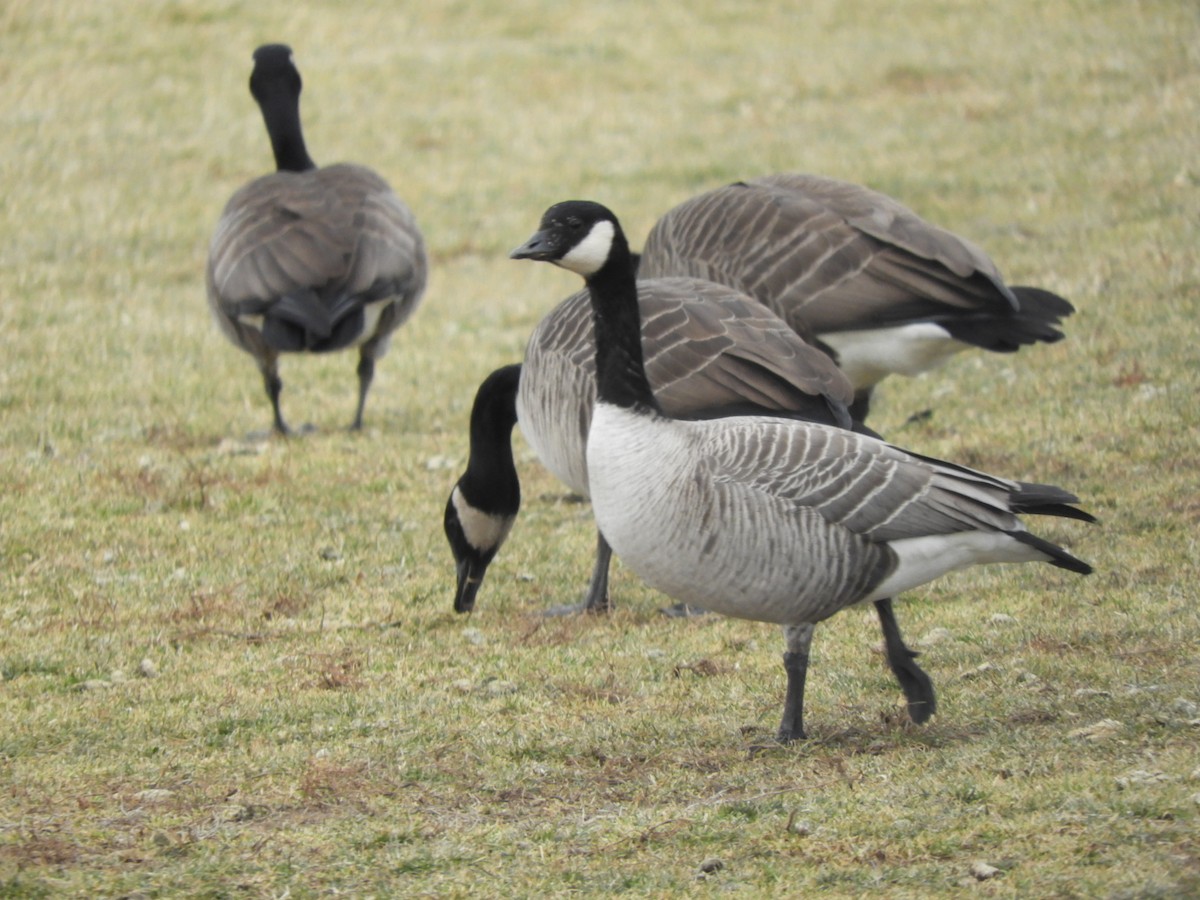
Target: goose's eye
(574, 224)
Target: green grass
(322, 722)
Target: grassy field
(230, 667)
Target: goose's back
(339, 231)
(708, 349)
(824, 254)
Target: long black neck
(490, 483)
(620, 367)
(281, 111)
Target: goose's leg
(269, 367)
(798, 638)
(917, 686)
(366, 373)
(861, 404)
(596, 599)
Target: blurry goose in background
(770, 519)
(709, 351)
(883, 289)
(311, 259)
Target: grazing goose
(885, 290)
(762, 518)
(311, 259)
(709, 351)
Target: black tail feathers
(1037, 320)
(1046, 500)
(1058, 556)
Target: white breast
(710, 543)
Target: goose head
(274, 73)
(474, 537)
(487, 497)
(578, 235)
(275, 84)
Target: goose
(764, 518)
(311, 259)
(885, 291)
(709, 351)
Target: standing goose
(311, 259)
(709, 351)
(885, 290)
(765, 518)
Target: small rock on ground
(153, 795)
(982, 871)
(1097, 731)
(711, 865)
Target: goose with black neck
(764, 518)
(311, 259)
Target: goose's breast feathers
(775, 520)
(679, 507)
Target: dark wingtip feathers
(1042, 304)
(1046, 500)
(1058, 556)
(1037, 319)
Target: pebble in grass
(94, 684)
(798, 827)
(498, 687)
(935, 636)
(234, 812)
(1135, 777)
(982, 871)
(986, 668)
(1186, 709)
(710, 866)
(1103, 730)
(491, 685)
(152, 796)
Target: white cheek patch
(483, 531)
(589, 255)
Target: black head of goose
(710, 351)
(886, 291)
(311, 259)
(762, 518)
(484, 503)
